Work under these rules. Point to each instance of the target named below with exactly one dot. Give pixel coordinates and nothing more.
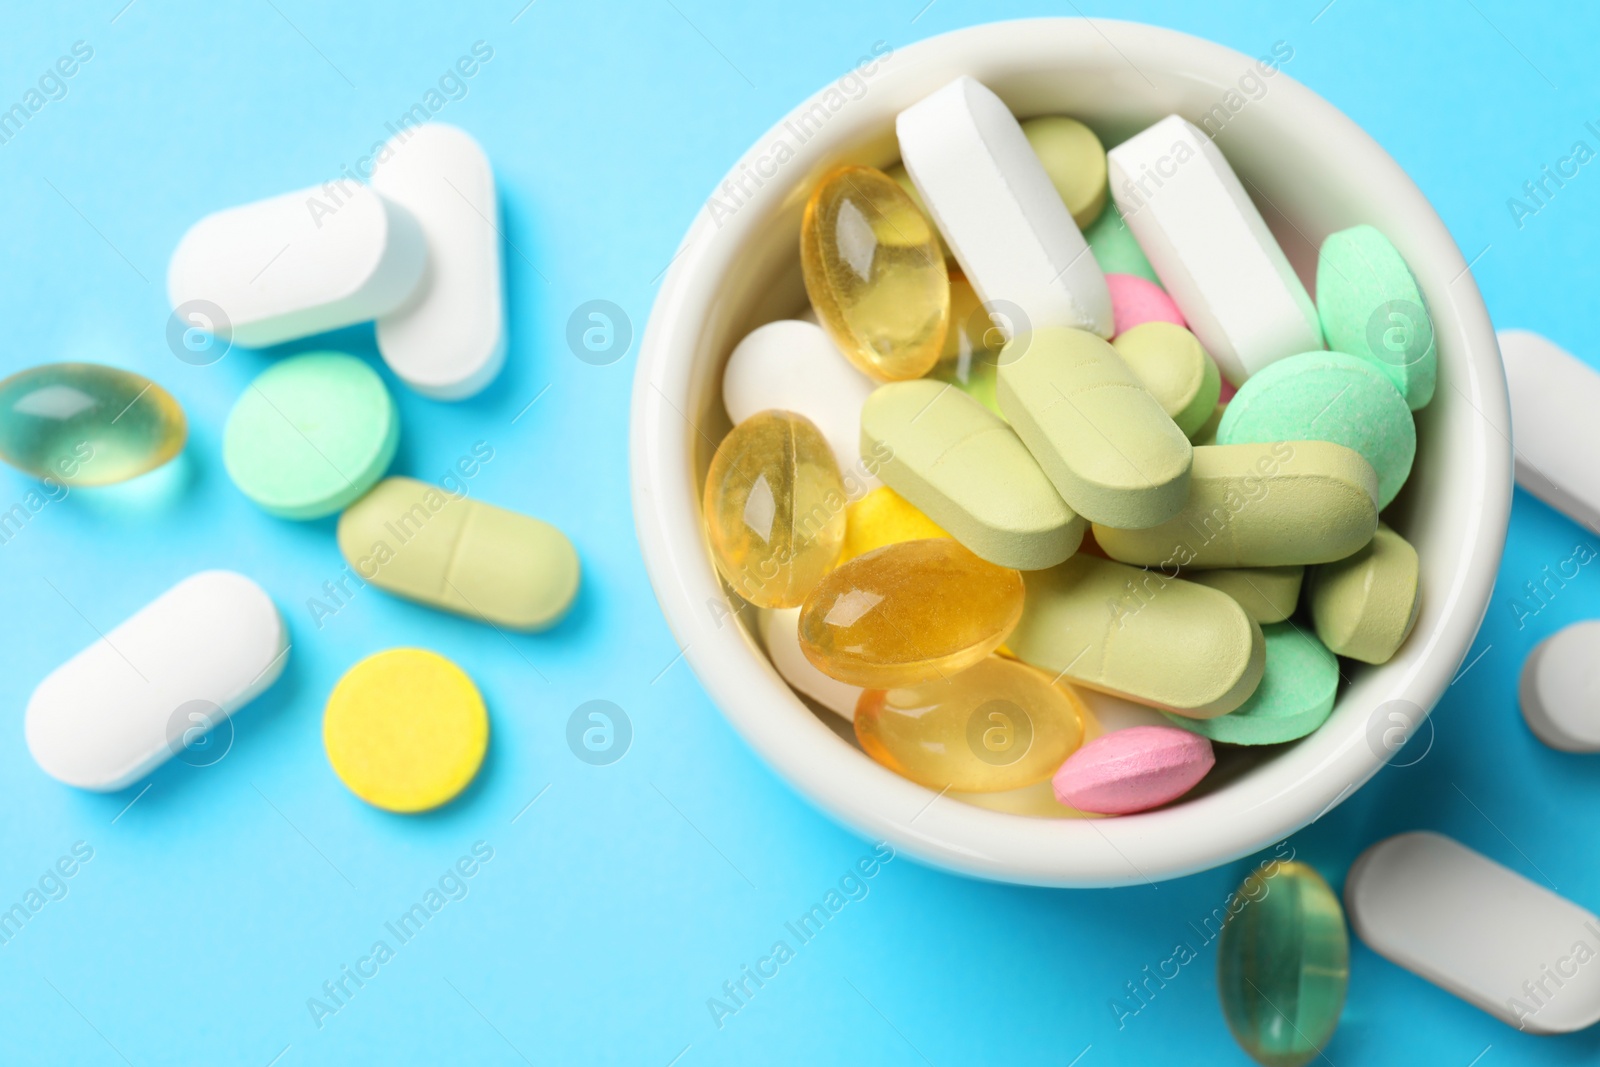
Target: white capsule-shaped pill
(448, 340)
(999, 212)
(1495, 939)
(791, 365)
(1211, 248)
(152, 686)
(780, 633)
(1560, 688)
(298, 264)
(1554, 396)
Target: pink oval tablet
(1228, 389)
(1135, 300)
(1132, 770)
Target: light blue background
(225, 896)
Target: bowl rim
(1244, 816)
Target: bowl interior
(1311, 172)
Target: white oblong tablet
(1211, 248)
(793, 366)
(1560, 688)
(185, 661)
(448, 340)
(1479, 930)
(780, 632)
(1554, 397)
(998, 210)
(299, 264)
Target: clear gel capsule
(87, 424)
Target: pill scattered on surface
(1497, 940)
(153, 685)
(1169, 361)
(300, 264)
(909, 613)
(780, 634)
(1160, 641)
(1211, 248)
(1371, 307)
(1133, 770)
(791, 365)
(1364, 606)
(87, 424)
(405, 730)
(1104, 441)
(1295, 696)
(1559, 689)
(1327, 396)
(1283, 965)
(774, 508)
(448, 340)
(1003, 219)
(1115, 248)
(1135, 300)
(1554, 397)
(1260, 505)
(874, 274)
(423, 543)
(311, 435)
(996, 726)
(884, 517)
(964, 468)
(1267, 594)
(1075, 161)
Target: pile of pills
(418, 251)
(1067, 420)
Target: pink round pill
(1135, 300)
(1228, 389)
(1132, 770)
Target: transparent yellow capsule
(774, 508)
(884, 517)
(874, 273)
(972, 346)
(87, 424)
(909, 613)
(997, 725)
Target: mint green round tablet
(1115, 248)
(311, 435)
(1371, 307)
(1327, 396)
(1294, 698)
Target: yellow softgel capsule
(997, 725)
(427, 544)
(884, 517)
(774, 508)
(909, 613)
(87, 424)
(405, 730)
(971, 346)
(874, 273)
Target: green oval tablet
(1371, 307)
(311, 435)
(1115, 248)
(1327, 396)
(1295, 696)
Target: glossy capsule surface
(1283, 962)
(774, 508)
(971, 346)
(908, 613)
(997, 725)
(874, 273)
(87, 424)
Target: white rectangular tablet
(1555, 434)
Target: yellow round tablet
(405, 730)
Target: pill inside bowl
(1056, 573)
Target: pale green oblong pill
(1327, 396)
(1364, 607)
(1260, 505)
(1267, 594)
(1172, 363)
(1106, 444)
(1295, 696)
(964, 468)
(310, 435)
(426, 544)
(1371, 307)
(1133, 633)
(1115, 248)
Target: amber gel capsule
(997, 725)
(874, 273)
(907, 613)
(87, 424)
(1283, 962)
(774, 508)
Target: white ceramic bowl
(1313, 171)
